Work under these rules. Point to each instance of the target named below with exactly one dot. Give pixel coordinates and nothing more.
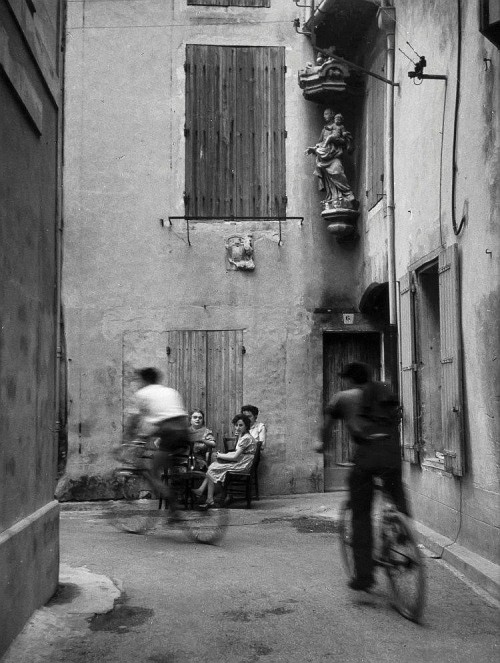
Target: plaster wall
(124, 270)
(423, 142)
(29, 559)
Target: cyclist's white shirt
(155, 403)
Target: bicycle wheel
(201, 526)
(133, 513)
(404, 565)
(345, 534)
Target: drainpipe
(59, 245)
(387, 22)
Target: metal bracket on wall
(187, 219)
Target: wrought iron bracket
(187, 219)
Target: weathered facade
(140, 104)
(30, 112)
(195, 239)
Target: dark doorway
(340, 348)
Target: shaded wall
(29, 99)
(464, 508)
(124, 271)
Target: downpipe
(387, 22)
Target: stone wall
(125, 271)
(29, 100)
(456, 507)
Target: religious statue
(240, 252)
(333, 143)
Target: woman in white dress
(257, 429)
(238, 460)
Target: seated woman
(201, 437)
(238, 460)
(257, 429)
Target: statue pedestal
(341, 222)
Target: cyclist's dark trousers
(367, 466)
(173, 434)
(173, 443)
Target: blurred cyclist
(158, 412)
(371, 413)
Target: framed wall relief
(239, 252)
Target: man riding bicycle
(371, 413)
(158, 412)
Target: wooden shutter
(408, 367)
(224, 379)
(209, 130)
(235, 133)
(186, 366)
(451, 360)
(375, 133)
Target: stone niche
(340, 33)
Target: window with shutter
(431, 369)
(235, 131)
(407, 349)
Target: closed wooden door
(340, 349)
(206, 367)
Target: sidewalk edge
(479, 570)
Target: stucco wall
(28, 226)
(124, 171)
(467, 506)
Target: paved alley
(275, 590)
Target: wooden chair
(187, 459)
(244, 485)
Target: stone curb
(479, 570)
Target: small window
(428, 349)
(431, 362)
(229, 3)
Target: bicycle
(135, 512)
(395, 550)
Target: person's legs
(159, 473)
(361, 495)
(210, 491)
(393, 484)
(173, 442)
(199, 491)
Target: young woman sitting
(238, 460)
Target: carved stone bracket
(326, 80)
(341, 222)
(239, 252)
